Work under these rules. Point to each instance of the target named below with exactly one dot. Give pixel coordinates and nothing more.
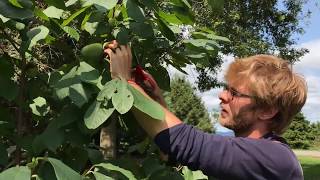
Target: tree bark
(108, 139)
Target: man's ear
(267, 113)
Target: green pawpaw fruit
(92, 54)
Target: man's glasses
(234, 93)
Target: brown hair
(273, 84)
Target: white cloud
(310, 63)
(309, 67)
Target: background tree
(187, 105)
(255, 27)
(300, 134)
(316, 131)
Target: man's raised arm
(120, 67)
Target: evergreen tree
(316, 132)
(185, 104)
(300, 133)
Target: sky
(308, 66)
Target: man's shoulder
(271, 152)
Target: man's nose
(223, 96)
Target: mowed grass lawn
(311, 167)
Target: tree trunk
(108, 139)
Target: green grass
(311, 167)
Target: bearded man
(261, 96)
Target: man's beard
(242, 122)
(240, 126)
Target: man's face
(237, 109)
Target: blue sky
(312, 31)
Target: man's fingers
(129, 52)
(109, 52)
(118, 51)
(112, 45)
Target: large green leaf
(78, 95)
(166, 31)
(16, 173)
(100, 176)
(70, 84)
(122, 99)
(76, 158)
(4, 19)
(206, 44)
(212, 36)
(63, 85)
(192, 175)
(181, 3)
(16, 3)
(161, 76)
(36, 34)
(39, 106)
(143, 30)
(10, 11)
(109, 4)
(97, 114)
(53, 12)
(63, 172)
(71, 32)
(170, 18)
(70, 3)
(147, 105)
(108, 90)
(74, 15)
(134, 11)
(39, 13)
(95, 156)
(111, 167)
(121, 35)
(41, 142)
(12, 24)
(68, 115)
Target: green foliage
(316, 131)
(16, 173)
(185, 104)
(56, 93)
(62, 171)
(300, 134)
(192, 175)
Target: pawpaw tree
(62, 116)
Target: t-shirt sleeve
(226, 157)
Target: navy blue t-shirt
(230, 157)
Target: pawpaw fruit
(92, 54)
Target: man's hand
(120, 60)
(120, 67)
(150, 86)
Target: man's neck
(255, 132)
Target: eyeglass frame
(234, 93)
